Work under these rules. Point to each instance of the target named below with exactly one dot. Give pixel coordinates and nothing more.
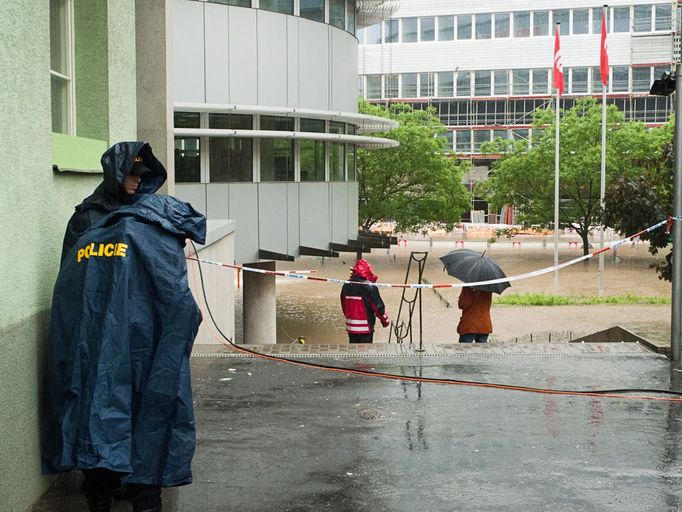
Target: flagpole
(602, 187)
(556, 165)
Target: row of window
(638, 18)
(231, 159)
(338, 13)
(519, 112)
(470, 141)
(504, 82)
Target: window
(240, 3)
(187, 154)
(391, 34)
(541, 23)
(579, 80)
(373, 34)
(480, 137)
(596, 80)
(276, 155)
(337, 13)
(446, 28)
(581, 21)
(361, 86)
(596, 21)
(521, 134)
(391, 89)
(336, 154)
(642, 18)
(409, 85)
(562, 16)
(310, 9)
(351, 161)
(62, 67)
(484, 26)
(500, 134)
(663, 17)
(409, 30)
(540, 81)
(501, 78)
(463, 83)
(445, 85)
(641, 79)
(620, 78)
(520, 81)
(464, 27)
(312, 151)
(350, 16)
(230, 158)
(427, 28)
(521, 24)
(373, 87)
(283, 6)
(482, 83)
(427, 85)
(621, 19)
(502, 24)
(463, 141)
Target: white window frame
(71, 70)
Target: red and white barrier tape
(535, 273)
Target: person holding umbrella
(475, 324)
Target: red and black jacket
(361, 306)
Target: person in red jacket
(362, 304)
(475, 324)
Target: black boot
(99, 504)
(145, 498)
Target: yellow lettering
(101, 248)
(121, 250)
(81, 253)
(109, 250)
(91, 250)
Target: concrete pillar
(154, 49)
(259, 305)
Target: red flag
(558, 65)
(604, 54)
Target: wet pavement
(276, 437)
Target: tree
(524, 176)
(416, 184)
(634, 203)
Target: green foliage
(524, 177)
(542, 299)
(416, 184)
(634, 203)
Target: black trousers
(361, 338)
(100, 483)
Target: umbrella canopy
(471, 266)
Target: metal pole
(556, 190)
(602, 186)
(677, 225)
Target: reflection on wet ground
(312, 310)
(272, 437)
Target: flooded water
(312, 309)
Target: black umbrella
(471, 267)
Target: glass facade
(427, 29)
(283, 6)
(446, 28)
(187, 149)
(311, 152)
(337, 13)
(336, 154)
(276, 155)
(230, 158)
(311, 9)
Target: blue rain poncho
(123, 323)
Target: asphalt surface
(276, 437)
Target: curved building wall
(238, 55)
